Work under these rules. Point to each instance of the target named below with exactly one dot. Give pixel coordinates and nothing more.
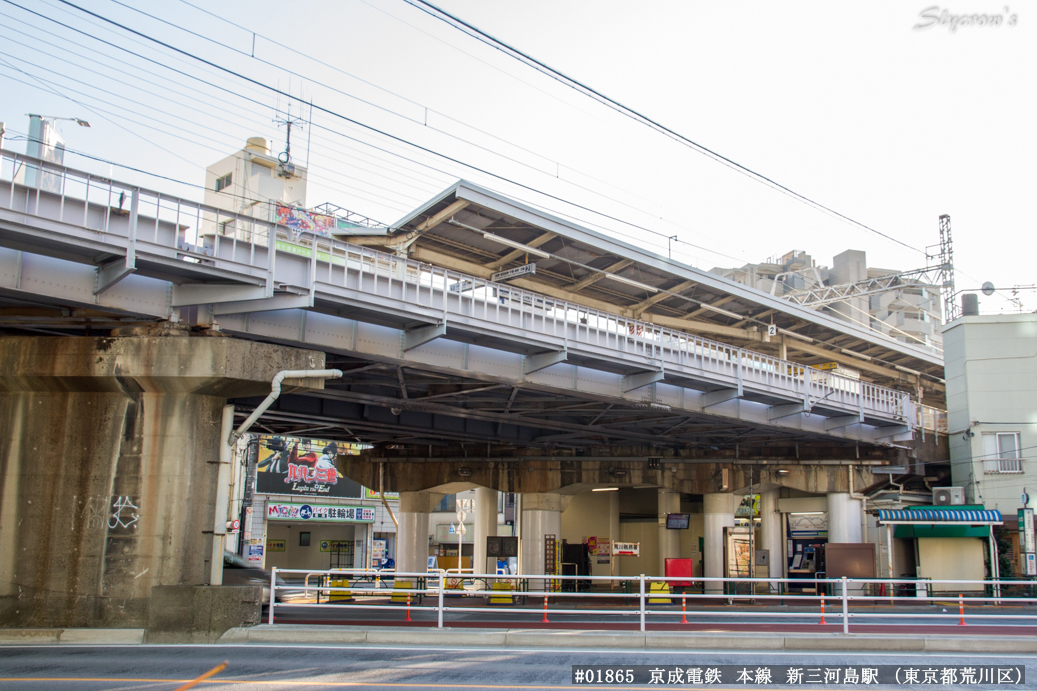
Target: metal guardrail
(930, 419)
(842, 593)
(134, 219)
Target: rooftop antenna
(285, 157)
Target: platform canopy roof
(470, 229)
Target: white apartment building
(991, 372)
(249, 183)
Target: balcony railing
(1002, 465)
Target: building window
(304, 539)
(1001, 453)
(223, 183)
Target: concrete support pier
(485, 526)
(541, 515)
(844, 518)
(109, 457)
(718, 513)
(412, 535)
(771, 535)
(669, 540)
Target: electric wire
(363, 126)
(210, 99)
(345, 118)
(440, 113)
(367, 127)
(513, 52)
(168, 124)
(197, 143)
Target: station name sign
(281, 511)
(524, 270)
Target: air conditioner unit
(948, 496)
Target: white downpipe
(275, 392)
(219, 526)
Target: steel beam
(777, 412)
(636, 381)
(111, 273)
(412, 338)
(187, 294)
(843, 421)
(277, 302)
(539, 361)
(712, 398)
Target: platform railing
(123, 214)
(844, 597)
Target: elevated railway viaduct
(137, 335)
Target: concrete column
(613, 521)
(771, 533)
(718, 513)
(541, 515)
(412, 535)
(844, 518)
(669, 540)
(109, 457)
(485, 526)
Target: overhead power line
(340, 116)
(515, 53)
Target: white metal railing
(1002, 465)
(147, 220)
(930, 419)
(841, 595)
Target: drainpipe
(228, 440)
(275, 391)
(381, 491)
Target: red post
(408, 607)
(961, 609)
(684, 608)
(822, 611)
(545, 621)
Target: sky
(861, 108)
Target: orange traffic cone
(545, 621)
(822, 611)
(961, 609)
(684, 609)
(408, 607)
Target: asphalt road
(270, 667)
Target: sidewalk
(653, 640)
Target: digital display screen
(678, 521)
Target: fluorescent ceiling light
(605, 489)
(631, 282)
(721, 311)
(516, 245)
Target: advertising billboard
(303, 468)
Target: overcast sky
(850, 106)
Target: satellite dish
(988, 288)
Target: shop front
(318, 536)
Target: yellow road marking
(211, 673)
